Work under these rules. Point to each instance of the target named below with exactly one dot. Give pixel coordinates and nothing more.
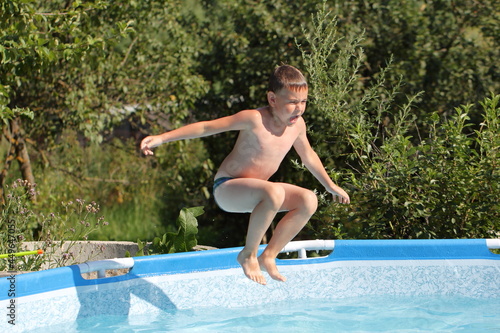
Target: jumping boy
(241, 184)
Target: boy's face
(287, 106)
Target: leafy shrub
(401, 185)
(445, 186)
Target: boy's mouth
(294, 119)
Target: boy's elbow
(311, 159)
(307, 163)
(206, 129)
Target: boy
(241, 184)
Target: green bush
(446, 186)
(442, 186)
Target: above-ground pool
(191, 291)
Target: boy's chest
(283, 142)
(266, 143)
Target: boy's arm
(313, 163)
(238, 121)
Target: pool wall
(213, 278)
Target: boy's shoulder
(254, 116)
(252, 113)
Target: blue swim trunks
(220, 181)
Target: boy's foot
(251, 267)
(268, 264)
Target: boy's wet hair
(286, 76)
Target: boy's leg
(301, 205)
(264, 199)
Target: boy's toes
(269, 265)
(259, 279)
(278, 277)
(251, 268)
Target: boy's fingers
(146, 150)
(341, 199)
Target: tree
(82, 69)
(81, 66)
(447, 49)
(34, 45)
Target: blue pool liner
(213, 278)
(223, 259)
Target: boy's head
(287, 77)
(287, 95)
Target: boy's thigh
(298, 197)
(241, 195)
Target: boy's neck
(276, 126)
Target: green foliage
(183, 240)
(7, 113)
(38, 46)
(17, 210)
(443, 186)
(447, 49)
(82, 64)
(129, 187)
(86, 70)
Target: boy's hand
(341, 196)
(149, 143)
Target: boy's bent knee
(275, 196)
(310, 202)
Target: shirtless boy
(241, 184)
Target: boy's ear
(271, 98)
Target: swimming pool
(208, 281)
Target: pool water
(366, 314)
